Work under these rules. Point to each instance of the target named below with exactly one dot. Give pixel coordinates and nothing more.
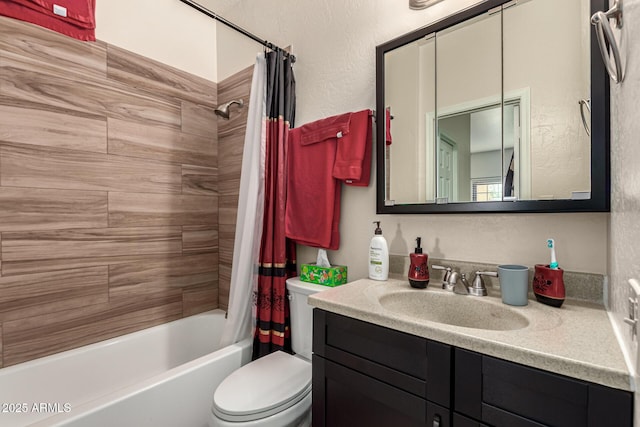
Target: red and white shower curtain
(277, 253)
(263, 257)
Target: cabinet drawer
(537, 395)
(394, 357)
(507, 394)
(402, 352)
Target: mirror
(481, 112)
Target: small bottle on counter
(378, 255)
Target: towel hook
(607, 41)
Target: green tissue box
(328, 276)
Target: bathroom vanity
(379, 362)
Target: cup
(514, 284)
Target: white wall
(335, 44)
(165, 30)
(235, 51)
(624, 240)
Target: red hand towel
(387, 122)
(312, 215)
(353, 159)
(79, 22)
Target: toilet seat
(262, 388)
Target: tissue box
(328, 276)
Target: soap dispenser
(378, 255)
(418, 270)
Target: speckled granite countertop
(576, 340)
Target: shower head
(223, 110)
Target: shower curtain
(263, 258)
(277, 253)
(246, 249)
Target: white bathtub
(161, 376)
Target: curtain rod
(233, 26)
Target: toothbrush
(554, 263)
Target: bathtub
(161, 376)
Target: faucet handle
(487, 273)
(447, 272)
(478, 288)
(449, 278)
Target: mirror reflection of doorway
(447, 168)
(492, 148)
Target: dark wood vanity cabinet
(368, 375)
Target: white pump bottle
(378, 256)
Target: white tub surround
(161, 376)
(576, 340)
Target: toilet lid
(263, 387)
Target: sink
(451, 309)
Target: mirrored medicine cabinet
(502, 107)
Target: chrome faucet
(478, 289)
(460, 287)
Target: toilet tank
(301, 315)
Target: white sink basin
(452, 309)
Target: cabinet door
(345, 398)
(499, 418)
(467, 383)
(609, 407)
(462, 421)
(437, 416)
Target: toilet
(274, 390)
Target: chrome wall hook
(615, 12)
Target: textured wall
(108, 192)
(625, 173)
(335, 45)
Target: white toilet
(274, 390)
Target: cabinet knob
(436, 421)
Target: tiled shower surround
(109, 200)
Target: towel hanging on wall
(74, 18)
(353, 157)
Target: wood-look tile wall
(109, 201)
(230, 147)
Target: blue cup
(514, 284)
